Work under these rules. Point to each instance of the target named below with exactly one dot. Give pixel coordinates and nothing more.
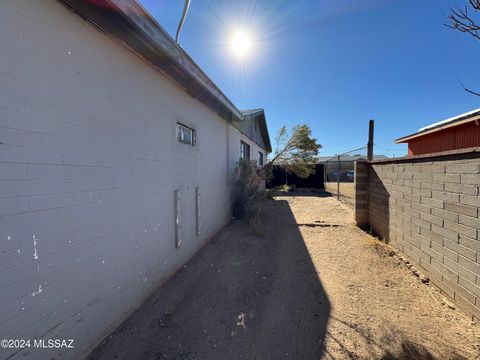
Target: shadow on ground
(410, 350)
(394, 345)
(293, 193)
(240, 297)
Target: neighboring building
(459, 132)
(115, 154)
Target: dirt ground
(314, 287)
(347, 191)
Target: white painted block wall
(89, 163)
(235, 138)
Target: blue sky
(335, 64)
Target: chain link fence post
(338, 177)
(339, 174)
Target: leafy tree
(466, 20)
(295, 151)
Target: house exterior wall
(89, 163)
(429, 209)
(454, 138)
(251, 128)
(235, 137)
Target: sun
(241, 44)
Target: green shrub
(247, 193)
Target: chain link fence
(339, 174)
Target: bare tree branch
(472, 92)
(466, 20)
(467, 89)
(463, 20)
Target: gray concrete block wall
(429, 209)
(89, 162)
(361, 193)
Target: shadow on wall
(378, 205)
(240, 297)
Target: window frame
(244, 150)
(260, 158)
(192, 141)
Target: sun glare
(241, 44)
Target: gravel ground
(313, 287)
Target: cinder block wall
(429, 209)
(89, 163)
(361, 167)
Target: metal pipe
(182, 20)
(228, 147)
(324, 177)
(338, 177)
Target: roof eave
(260, 114)
(441, 126)
(405, 139)
(265, 134)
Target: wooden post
(370, 140)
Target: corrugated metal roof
(450, 120)
(444, 124)
(462, 136)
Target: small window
(185, 135)
(244, 150)
(260, 158)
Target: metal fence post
(330, 171)
(325, 175)
(338, 177)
